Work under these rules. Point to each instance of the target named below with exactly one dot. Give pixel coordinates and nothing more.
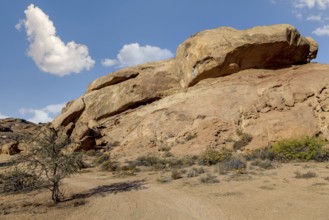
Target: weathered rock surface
(14, 133)
(225, 50)
(125, 89)
(140, 109)
(10, 148)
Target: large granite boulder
(185, 105)
(120, 91)
(225, 50)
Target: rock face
(140, 109)
(224, 51)
(14, 133)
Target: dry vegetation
(213, 167)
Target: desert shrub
(93, 153)
(190, 137)
(102, 158)
(208, 178)
(307, 175)
(126, 170)
(176, 174)
(263, 154)
(147, 161)
(194, 172)
(304, 148)
(164, 149)
(106, 163)
(163, 179)
(234, 163)
(212, 156)
(167, 154)
(47, 156)
(265, 164)
(245, 139)
(16, 180)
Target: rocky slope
(14, 135)
(223, 83)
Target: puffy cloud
(2, 116)
(321, 4)
(322, 31)
(43, 115)
(133, 54)
(47, 50)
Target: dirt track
(260, 194)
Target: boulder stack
(269, 91)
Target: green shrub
(194, 172)
(126, 170)
(147, 161)
(212, 156)
(16, 180)
(234, 163)
(265, 164)
(304, 148)
(106, 163)
(263, 154)
(245, 139)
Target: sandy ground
(258, 194)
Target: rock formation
(14, 133)
(195, 101)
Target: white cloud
(47, 50)
(320, 4)
(314, 18)
(133, 54)
(43, 115)
(2, 116)
(322, 31)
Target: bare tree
(47, 156)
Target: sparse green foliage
(234, 163)
(105, 162)
(162, 163)
(265, 164)
(212, 156)
(263, 154)
(17, 179)
(304, 149)
(47, 156)
(194, 172)
(245, 139)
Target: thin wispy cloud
(314, 18)
(322, 31)
(133, 54)
(312, 11)
(319, 4)
(47, 50)
(43, 115)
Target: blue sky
(51, 50)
